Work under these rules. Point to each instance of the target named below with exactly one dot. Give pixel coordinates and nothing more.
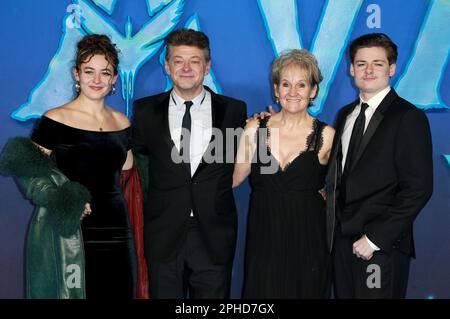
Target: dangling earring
(113, 89)
(311, 102)
(77, 87)
(277, 101)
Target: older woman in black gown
(286, 155)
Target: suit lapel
(162, 118)
(218, 110)
(371, 128)
(340, 125)
(162, 111)
(376, 119)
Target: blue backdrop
(37, 45)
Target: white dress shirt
(201, 125)
(373, 103)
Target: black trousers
(192, 273)
(383, 276)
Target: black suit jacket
(172, 193)
(391, 179)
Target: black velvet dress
(286, 254)
(94, 159)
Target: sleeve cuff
(374, 247)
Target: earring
(277, 101)
(113, 89)
(77, 87)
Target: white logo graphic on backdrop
(419, 83)
(421, 79)
(447, 157)
(56, 87)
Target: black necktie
(355, 139)
(185, 146)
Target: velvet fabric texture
(95, 160)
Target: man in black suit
(380, 177)
(190, 218)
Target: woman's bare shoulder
(328, 132)
(120, 118)
(58, 113)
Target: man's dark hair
(374, 40)
(188, 37)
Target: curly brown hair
(94, 44)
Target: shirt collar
(376, 100)
(179, 101)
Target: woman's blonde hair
(301, 58)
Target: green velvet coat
(54, 245)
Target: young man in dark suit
(380, 177)
(190, 216)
